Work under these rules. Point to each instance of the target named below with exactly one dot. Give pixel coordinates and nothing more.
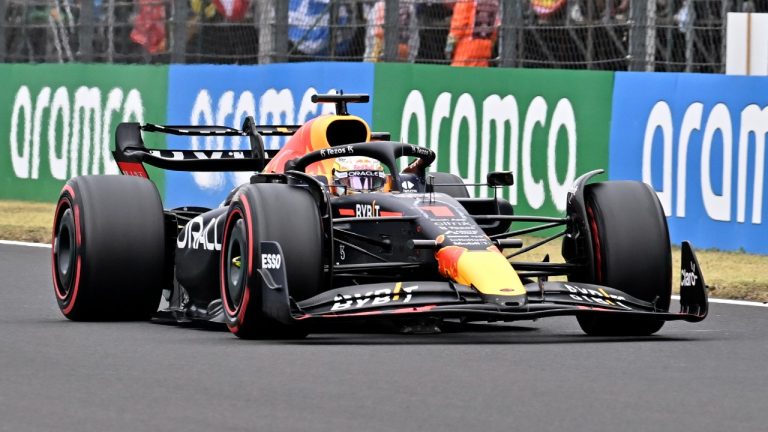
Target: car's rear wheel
(284, 214)
(631, 252)
(108, 253)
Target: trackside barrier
(548, 126)
(58, 121)
(698, 140)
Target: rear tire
(108, 253)
(269, 212)
(631, 252)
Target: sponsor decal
(58, 121)
(545, 126)
(364, 173)
(689, 278)
(408, 186)
(438, 210)
(703, 153)
(134, 169)
(374, 298)
(419, 151)
(337, 151)
(198, 235)
(198, 155)
(599, 296)
(367, 210)
(498, 114)
(456, 226)
(716, 188)
(70, 129)
(271, 261)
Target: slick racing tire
(631, 252)
(284, 214)
(108, 254)
(448, 181)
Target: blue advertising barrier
(699, 141)
(224, 95)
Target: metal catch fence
(651, 35)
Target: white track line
(28, 244)
(675, 297)
(732, 302)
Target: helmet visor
(361, 180)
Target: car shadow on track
(450, 334)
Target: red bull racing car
(330, 230)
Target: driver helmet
(357, 174)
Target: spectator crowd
(456, 32)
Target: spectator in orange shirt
(473, 32)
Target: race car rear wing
(130, 152)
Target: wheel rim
(235, 276)
(65, 252)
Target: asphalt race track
(57, 375)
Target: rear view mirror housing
(500, 178)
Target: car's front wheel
(280, 213)
(631, 252)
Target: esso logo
(271, 261)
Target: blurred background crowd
(660, 35)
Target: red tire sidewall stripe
(237, 314)
(230, 311)
(73, 299)
(596, 245)
(56, 287)
(248, 221)
(247, 288)
(78, 241)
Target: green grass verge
(734, 275)
(25, 221)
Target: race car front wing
(444, 299)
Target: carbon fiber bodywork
(409, 252)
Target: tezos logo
(337, 151)
(419, 151)
(271, 261)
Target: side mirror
(500, 178)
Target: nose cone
(488, 271)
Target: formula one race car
(329, 230)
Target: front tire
(284, 214)
(631, 252)
(108, 253)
